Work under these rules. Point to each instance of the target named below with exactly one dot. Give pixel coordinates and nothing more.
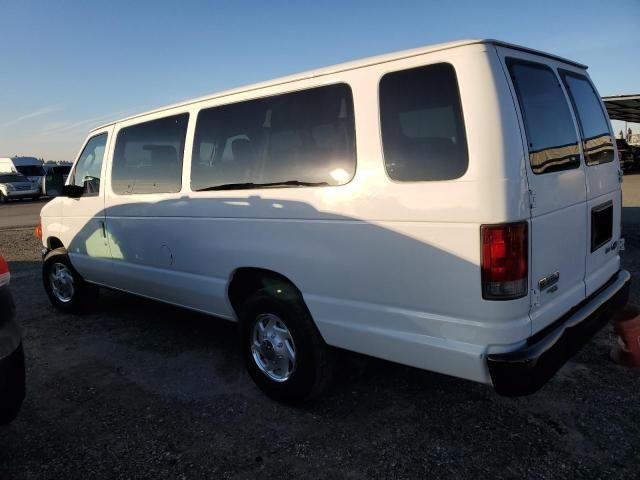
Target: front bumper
(527, 369)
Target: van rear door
(603, 179)
(557, 183)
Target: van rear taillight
(504, 261)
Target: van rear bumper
(527, 369)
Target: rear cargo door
(557, 182)
(603, 179)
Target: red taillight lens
(504, 261)
(4, 272)
(37, 232)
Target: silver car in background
(17, 186)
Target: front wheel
(65, 287)
(282, 348)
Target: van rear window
(423, 133)
(598, 144)
(551, 134)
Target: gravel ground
(142, 390)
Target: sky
(68, 66)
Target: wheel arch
(246, 280)
(54, 243)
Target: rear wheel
(282, 348)
(65, 287)
(3, 198)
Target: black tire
(313, 357)
(84, 296)
(13, 385)
(3, 199)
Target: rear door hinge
(620, 176)
(532, 198)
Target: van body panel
(604, 261)
(603, 186)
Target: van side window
(597, 141)
(423, 134)
(148, 156)
(88, 168)
(551, 134)
(305, 136)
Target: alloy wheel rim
(61, 281)
(272, 347)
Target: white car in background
(30, 167)
(15, 186)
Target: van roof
(351, 65)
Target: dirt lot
(139, 389)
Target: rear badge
(549, 280)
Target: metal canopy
(623, 107)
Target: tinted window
(89, 166)
(622, 144)
(598, 145)
(31, 170)
(61, 170)
(552, 138)
(422, 125)
(305, 136)
(13, 178)
(148, 156)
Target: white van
(455, 208)
(30, 167)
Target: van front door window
(87, 171)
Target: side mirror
(52, 185)
(72, 191)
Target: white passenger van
(30, 167)
(455, 208)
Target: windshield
(61, 170)
(31, 170)
(14, 177)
